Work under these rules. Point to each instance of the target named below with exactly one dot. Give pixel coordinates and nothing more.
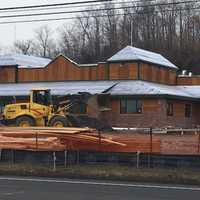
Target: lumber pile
(86, 139)
(136, 142)
(53, 139)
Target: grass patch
(106, 172)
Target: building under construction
(143, 88)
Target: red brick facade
(154, 114)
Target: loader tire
(25, 121)
(59, 122)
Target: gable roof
(23, 61)
(130, 53)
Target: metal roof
(115, 88)
(23, 61)
(144, 88)
(57, 88)
(193, 90)
(130, 53)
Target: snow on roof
(88, 65)
(115, 88)
(193, 90)
(130, 53)
(57, 88)
(144, 88)
(23, 61)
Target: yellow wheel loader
(39, 111)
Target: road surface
(19, 188)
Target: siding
(194, 80)
(7, 74)
(58, 70)
(149, 72)
(63, 69)
(122, 71)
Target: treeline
(169, 28)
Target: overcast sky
(11, 32)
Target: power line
(56, 4)
(92, 16)
(73, 6)
(96, 10)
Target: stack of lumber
(85, 139)
(136, 142)
(53, 139)
(180, 144)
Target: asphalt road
(18, 188)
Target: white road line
(101, 183)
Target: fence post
(198, 141)
(0, 154)
(54, 161)
(13, 156)
(138, 160)
(151, 147)
(65, 162)
(77, 157)
(36, 140)
(99, 134)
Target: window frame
(138, 103)
(170, 109)
(188, 113)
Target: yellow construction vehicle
(39, 111)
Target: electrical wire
(95, 10)
(57, 4)
(73, 6)
(95, 16)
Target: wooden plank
(114, 71)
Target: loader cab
(41, 96)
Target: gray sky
(10, 32)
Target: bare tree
(23, 46)
(44, 43)
(173, 30)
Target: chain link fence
(67, 158)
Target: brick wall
(154, 114)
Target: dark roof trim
(165, 96)
(141, 61)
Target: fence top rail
(159, 130)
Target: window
(170, 109)
(42, 97)
(188, 110)
(130, 106)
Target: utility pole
(15, 33)
(131, 33)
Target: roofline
(23, 67)
(157, 96)
(88, 65)
(138, 60)
(187, 76)
(163, 96)
(9, 65)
